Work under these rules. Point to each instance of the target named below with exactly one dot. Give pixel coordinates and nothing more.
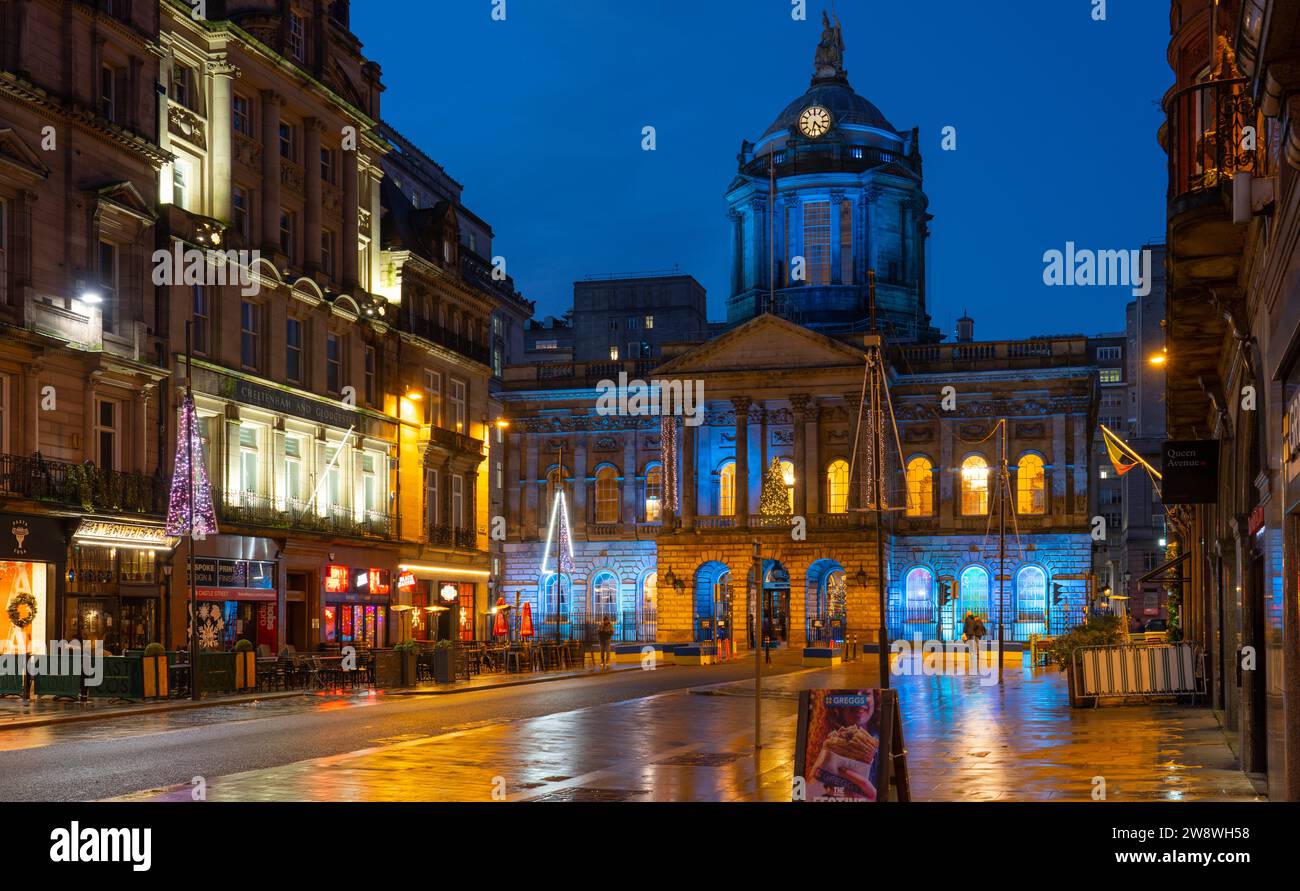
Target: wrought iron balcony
(456, 442)
(1203, 136)
(83, 486)
(445, 337)
(251, 509)
(466, 539)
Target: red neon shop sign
(336, 579)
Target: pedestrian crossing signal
(1057, 593)
(945, 593)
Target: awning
(120, 534)
(1162, 568)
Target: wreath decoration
(22, 599)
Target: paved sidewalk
(966, 742)
(39, 712)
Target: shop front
(33, 551)
(356, 606)
(237, 592)
(443, 599)
(115, 584)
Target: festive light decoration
(190, 476)
(668, 447)
(775, 499)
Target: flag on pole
(1122, 462)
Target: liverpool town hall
(661, 519)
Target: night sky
(540, 118)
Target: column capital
(271, 97)
(741, 404)
(799, 402)
(218, 66)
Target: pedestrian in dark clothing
(968, 627)
(605, 632)
(979, 630)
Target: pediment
(20, 158)
(125, 196)
(766, 343)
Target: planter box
(215, 673)
(11, 684)
(443, 669)
(408, 673)
(246, 670)
(154, 676)
(388, 669)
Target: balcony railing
(445, 337)
(1203, 136)
(83, 486)
(447, 536)
(252, 509)
(456, 442)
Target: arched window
(555, 597)
(837, 487)
(554, 485)
(787, 476)
(654, 492)
(920, 487)
(727, 489)
(1031, 485)
(607, 495)
(1031, 602)
(920, 591)
(649, 594)
(604, 594)
(975, 486)
(973, 593)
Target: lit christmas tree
(179, 509)
(775, 500)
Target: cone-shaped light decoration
(178, 505)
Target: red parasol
(526, 620)
(499, 625)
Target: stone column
(630, 505)
(690, 484)
(376, 214)
(511, 505)
(140, 421)
(811, 424)
(802, 477)
(219, 144)
(737, 251)
(311, 184)
(32, 408)
(578, 518)
(351, 216)
(270, 173)
(532, 502)
(741, 405)
(760, 262)
(1056, 506)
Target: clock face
(815, 121)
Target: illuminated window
(1031, 487)
(613, 352)
(654, 492)
(837, 487)
(432, 397)
(920, 487)
(787, 477)
(727, 489)
(457, 501)
(607, 495)
(293, 470)
(457, 400)
(817, 242)
(431, 498)
(650, 593)
(975, 486)
(604, 594)
(1112, 376)
(972, 595)
(249, 463)
(250, 335)
(919, 586)
(1031, 597)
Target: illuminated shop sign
(337, 579)
(405, 580)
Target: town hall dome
(837, 97)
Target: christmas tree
(179, 507)
(775, 500)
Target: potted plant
(245, 665)
(408, 651)
(155, 671)
(1100, 631)
(444, 672)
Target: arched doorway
(776, 602)
(712, 602)
(972, 597)
(825, 601)
(648, 608)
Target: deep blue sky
(540, 118)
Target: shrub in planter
(155, 671)
(408, 651)
(1100, 631)
(444, 671)
(245, 665)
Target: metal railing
(253, 509)
(1204, 135)
(451, 537)
(84, 486)
(432, 331)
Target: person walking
(978, 630)
(968, 627)
(605, 632)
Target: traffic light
(1057, 593)
(945, 593)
